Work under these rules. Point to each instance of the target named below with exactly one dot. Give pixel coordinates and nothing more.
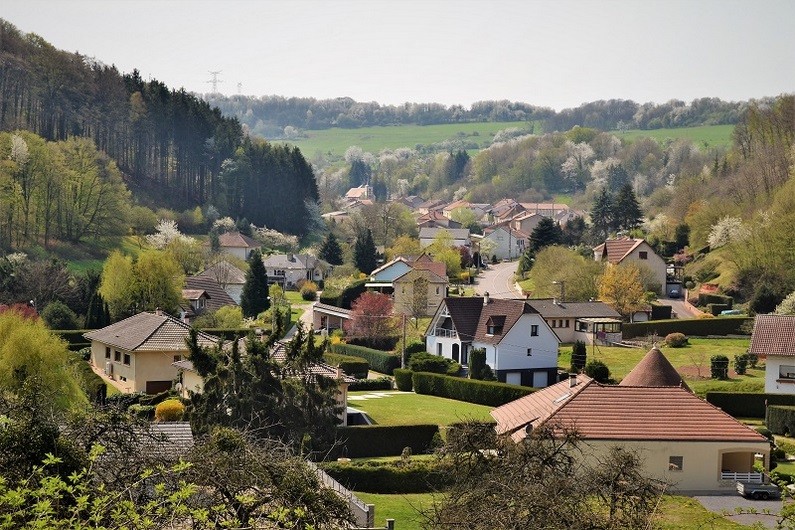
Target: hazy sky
(554, 53)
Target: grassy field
(406, 408)
(374, 139)
(686, 360)
(703, 136)
(674, 512)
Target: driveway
(498, 281)
(731, 503)
(680, 307)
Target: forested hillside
(169, 145)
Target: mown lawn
(674, 512)
(407, 408)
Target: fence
(363, 514)
(743, 477)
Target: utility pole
(403, 356)
(240, 88)
(214, 81)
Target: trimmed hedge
(693, 327)
(660, 312)
(390, 477)
(403, 379)
(354, 366)
(747, 405)
(381, 440)
(382, 383)
(716, 309)
(470, 390)
(74, 338)
(781, 419)
(380, 361)
(707, 299)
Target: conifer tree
(602, 214)
(626, 210)
(546, 233)
(330, 250)
(254, 298)
(364, 253)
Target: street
(498, 281)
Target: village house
(329, 317)
(520, 346)
(419, 292)
(286, 270)
(773, 339)
(224, 274)
(507, 243)
(638, 251)
(459, 237)
(237, 244)
(590, 322)
(435, 219)
(681, 439)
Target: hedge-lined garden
(378, 440)
(781, 419)
(470, 390)
(354, 366)
(747, 405)
(380, 361)
(413, 476)
(697, 327)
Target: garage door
(540, 379)
(155, 387)
(513, 378)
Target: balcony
(447, 333)
(743, 477)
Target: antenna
(240, 88)
(214, 81)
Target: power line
(214, 81)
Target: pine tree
(364, 253)
(626, 210)
(546, 233)
(602, 214)
(254, 298)
(330, 250)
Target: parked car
(674, 293)
(758, 490)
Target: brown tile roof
(617, 249)
(428, 274)
(224, 272)
(509, 311)
(218, 298)
(193, 294)
(237, 240)
(465, 313)
(602, 412)
(549, 309)
(773, 335)
(148, 332)
(436, 267)
(654, 370)
(536, 206)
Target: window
(201, 302)
(122, 378)
(127, 359)
(107, 352)
(177, 358)
(529, 352)
(786, 372)
(675, 463)
(437, 289)
(534, 330)
(117, 356)
(566, 322)
(643, 254)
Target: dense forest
(268, 116)
(169, 145)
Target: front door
(456, 348)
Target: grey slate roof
(549, 309)
(148, 332)
(293, 261)
(217, 297)
(455, 233)
(170, 438)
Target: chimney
(555, 301)
(159, 312)
(339, 372)
(486, 298)
(572, 380)
(184, 317)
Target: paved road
(729, 503)
(680, 307)
(498, 281)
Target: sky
(553, 53)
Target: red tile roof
(654, 370)
(148, 332)
(617, 249)
(237, 240)
(602, 412)
(773, 335)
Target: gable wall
(143, 367)
(654, 262)
(511, 352)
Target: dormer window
(495, 324)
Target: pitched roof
(470, 316)
(436, 267)
(148, 332)
(218, 298)
(548, 308)
(603, 412)
(194, 294)
(428, 274)
(537, 206)
(169, 438)
(293, 261)
(456, 204)
(237, 240)
(654, 370)
(224, 272)
(615, 250)
(389, 264)
(773, 335)
(465, 313)
(455, 233)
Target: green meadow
(703, 136)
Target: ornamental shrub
(598, 370)
(676, 340)
(426, 362)
(579, 355)
(403, 379)
(781, 419)
(169, 410)
(309, 291)
(719, 367)
(740, 364)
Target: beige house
(139, 352)
(590, 322)
(237, 244)
(773, 340)
(419, 292)
(681, 439)
(329, 317)
(637, 251)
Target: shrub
(747, 404)
(469, 390)
(705, 299)
(309, 291)
(753, 360)
(403, 379)
(717, 309)
(676, 340)
(390, 477)
(380, 361)
(597, 370)
(660, 312)
(382, 383)
(354, 366)
(426, 362)
(477, 363)
(415, 347)
(57, 315)
(764, 431)
(579, 355)
(781, 419)
(145, 412)
(740, 364)
(169, 410)
(719, 367)
(482, 431)
(692, 327)
(454, 370)
(380, 440)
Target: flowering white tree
(726, 230)
(274, 239)
(787, 306)
(600, 170)
(167, 231)
(224, 224)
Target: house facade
(139, 352)
(520, 347)
(507, 243)
(637, 251)
(237, 244)
(589, 322)
(773, 340)
(287, 270)
(681, 439)
(227, 276)
(419, 292)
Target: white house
(589, 322)
(237, 244)
(773, 339)
(520, 347)
(507, 242)
(230, 278)
(638, 251)
(288, 269)
(681, 439)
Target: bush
(764, 431)
(716, 309)
(415, 347)
(309, 291)
(426, 362)
(719, 367)
(660, 312)
(692, 327)
(740, 364)
(382, 383)
(482, 431)
(145, 412)
(753, 360)
(169, 410)
(380, 361)
(470, 390)
(379, 440)
(705, 299)
(676, 340)
(781, 419)
(74, 338)
(747, 405)
(390, 477)
(57, 315)
(579, 354)
(354, 366)
(403, 379)
(477, 364)
(598, 371)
